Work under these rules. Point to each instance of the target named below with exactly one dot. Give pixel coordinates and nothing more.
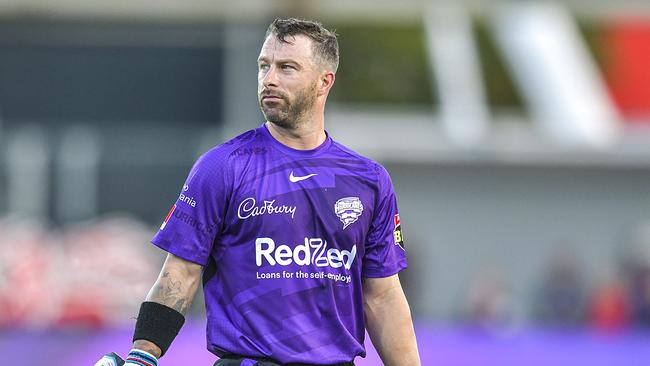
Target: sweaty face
(287, 80)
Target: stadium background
(517, 134)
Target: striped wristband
(140, 358)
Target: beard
(286, 113)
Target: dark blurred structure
(560, 300)
(141, 95)
(635, 267)
(490, 303)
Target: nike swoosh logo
(295, 179)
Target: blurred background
(517, 134)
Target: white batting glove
(135, 358)
(110, 359)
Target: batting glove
(135, 358)
(110, 359)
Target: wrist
(147, 346)
(159, 324)
(141, 358)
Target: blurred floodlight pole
(28, 172)
(242, 44)
(555, 72)
(454, 60)
(77, 174)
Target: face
(287, 80)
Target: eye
(262, 66)
(288, 67)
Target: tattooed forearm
(180, 306)
(175, 288)
(171, 291)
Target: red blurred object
(627, 69)
(609, 309)
(84, 309)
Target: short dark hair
(325, 44)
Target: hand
(110, 359)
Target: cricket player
(296, 239)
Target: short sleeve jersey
(286, 236)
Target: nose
(270, 77)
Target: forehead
(299, 48)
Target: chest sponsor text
(250, 208)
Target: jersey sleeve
(385, 253)
(194, 220)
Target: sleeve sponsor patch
(397, 232)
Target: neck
(306, 136)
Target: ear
(326, 82)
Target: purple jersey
(285, 236)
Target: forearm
(175, 288)
(389, 324)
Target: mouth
(271, 99)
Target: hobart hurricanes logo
(348, 209)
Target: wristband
(159, 324)
(141, 358)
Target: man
(297, 238)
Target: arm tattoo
(170, 292)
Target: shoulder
(376, 170)
(216, 162)
(222, 153)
